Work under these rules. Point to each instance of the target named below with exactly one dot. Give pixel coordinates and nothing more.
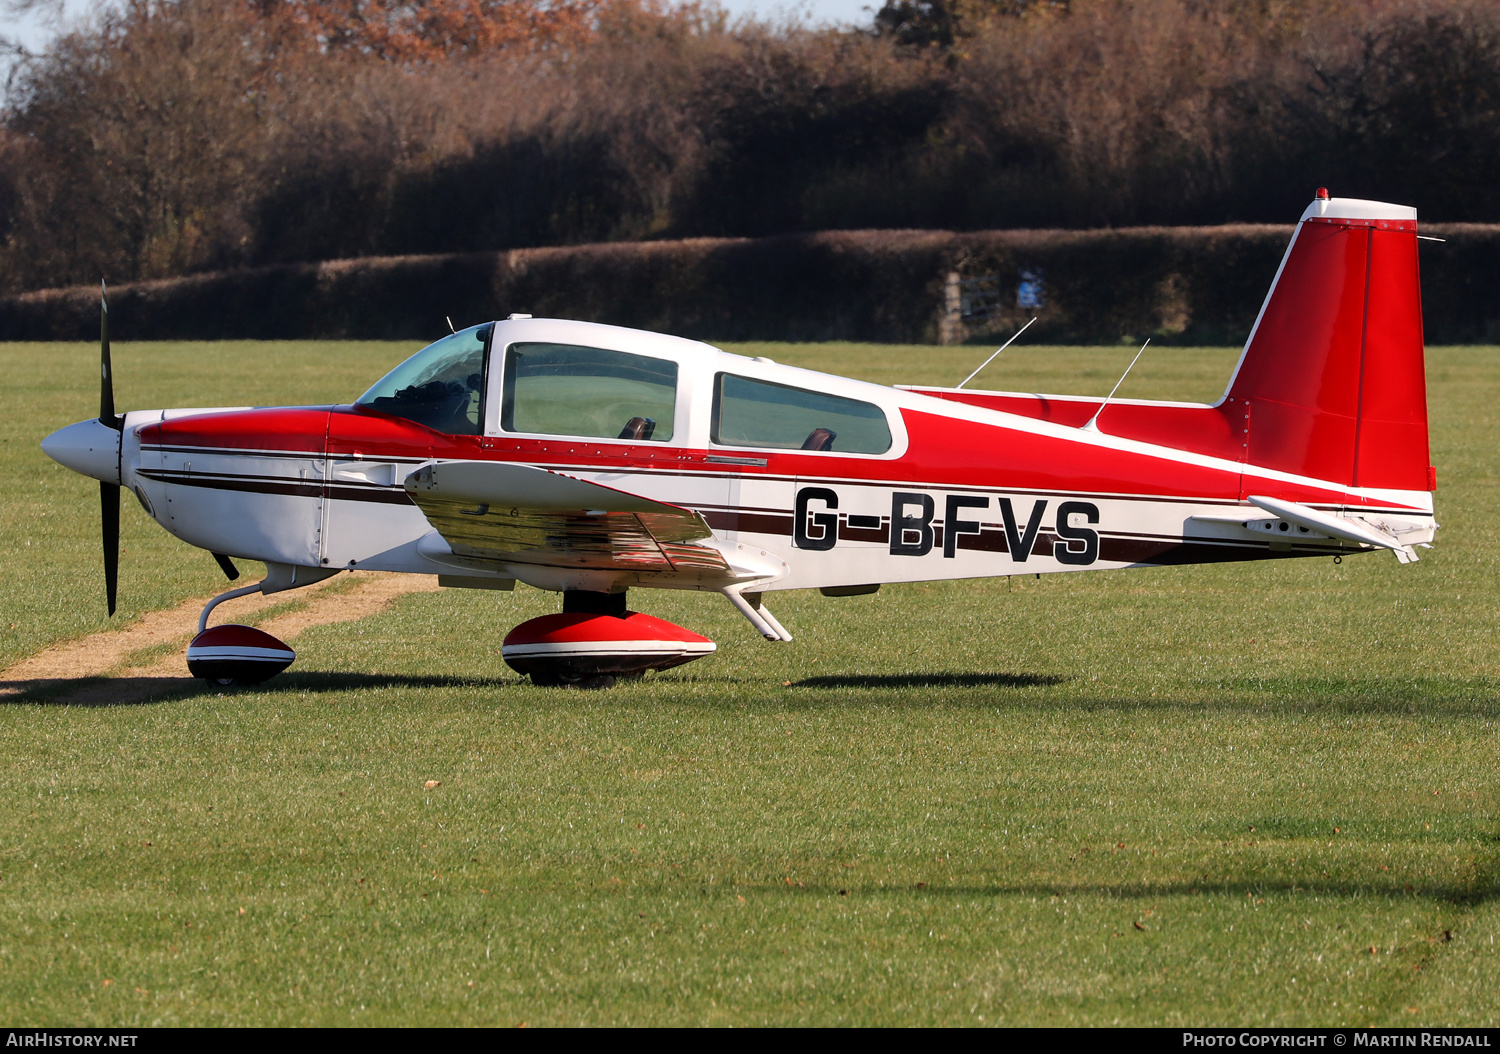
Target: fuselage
(965, 485)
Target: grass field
(1260, 794)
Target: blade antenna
(449, 320)
(1093, 424)
(998, 350)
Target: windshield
(440, 386)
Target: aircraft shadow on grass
(931, 680)
(136, 691)
(1449, 697)
(1461, 896)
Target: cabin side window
(759, 413)
(567, 389)
(441, 386)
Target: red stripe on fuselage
(1213, 431)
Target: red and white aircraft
(590, 459)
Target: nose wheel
(232, 656)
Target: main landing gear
(596, 641)
(593, 643)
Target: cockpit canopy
(548, 388)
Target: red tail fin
(1332, 374)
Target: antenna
(998, 350)
(450, 324)
(1093, 425)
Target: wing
(495, 510)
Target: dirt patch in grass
(127, 666)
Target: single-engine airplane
(589, 460)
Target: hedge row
(1183, 285)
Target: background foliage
(167, 137)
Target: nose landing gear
(231, 655)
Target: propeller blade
(109, 513)
(109, 493)
(106, 370)
(227, 566)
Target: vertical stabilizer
(1332, 375)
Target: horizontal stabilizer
(1334, 526)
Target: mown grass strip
(1241, 795)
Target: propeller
(109, 493)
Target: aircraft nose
(88, 447)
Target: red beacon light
(1322, 194)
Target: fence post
(950, 319)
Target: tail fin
(1332, 375)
